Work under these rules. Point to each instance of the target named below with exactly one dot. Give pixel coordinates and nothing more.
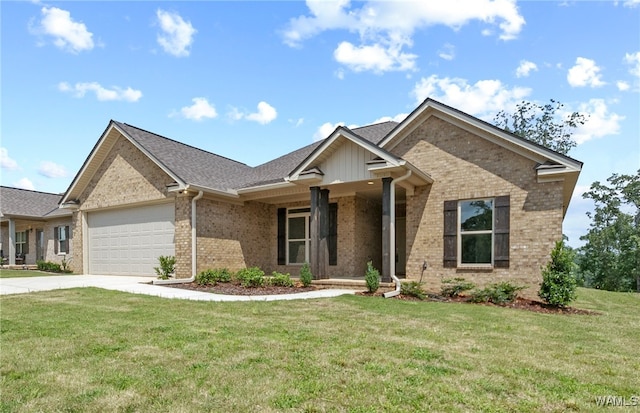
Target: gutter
(392, 241)
(194, 251)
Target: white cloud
(296, 122)
(6, 162)
(200, 110)
(483, 99)
(52, 170)
(633, 59)
(102, 93)
(68, 34)
(448, 52)
(375, 58)
(325, 130)
(177, 35)
(398, 118)
(525, 68)
(24, 183)
(584, 73)
(631, 3)
(265, 114)
(386, 28)
(600, 121)
(622, 85)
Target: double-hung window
(298, 235)
(21, 243)
(475, 239)
(61, 239)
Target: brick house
(441, 194)
(33, 227)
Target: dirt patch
(519, 303)
(237, 289)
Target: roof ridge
(31, 190)
(184, 144)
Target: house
(33, 227)
(441, 194)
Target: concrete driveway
(141, 285)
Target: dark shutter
(282, 236)
(333, 234)
(68, 239)
(450, 259)
(501, 232)
(25, 246)
(56, 240)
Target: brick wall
(465, 166)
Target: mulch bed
(237, 289)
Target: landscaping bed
(235, 288)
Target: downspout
(194, 250)
(392, 235)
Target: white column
(12, 242)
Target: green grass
(5, 273)
(96, 350)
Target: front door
(39, 245)
(401, 246)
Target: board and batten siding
(348, 163)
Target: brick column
(183, 236)
(386, 229)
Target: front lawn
(6, 273)
(95, 350)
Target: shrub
(558, 286)
(305, 275)
(413, 289)
(500, 293)
(452, 287)
(251, 277)
(212, 277)
(372, 278)
(48, 266)
(280, 280)
(166, 268)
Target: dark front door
(39, 245)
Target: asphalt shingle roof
(33, 204)
(201, 168)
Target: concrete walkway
(139, 285)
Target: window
(476, 233)
(61, 239)
(298, 237)
(475, 240)
(22, 241)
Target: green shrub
(48, 266)
(212, 277)
(372, 278)
(558, 286)
(452, 287)
(280, 280)
(500, 293)
(166, 268)
(251, 277)
(413, 289)
(305, 275)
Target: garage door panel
(129, 241)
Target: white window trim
(61, 229)
(491, 231)
(307, 240)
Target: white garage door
(129, 241)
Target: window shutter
(55, 240)
(68, 237)
(25, 247)
(333, 234)
(501, 232)
(450, 259)
(282, 236)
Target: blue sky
(254, 80)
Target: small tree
(166, 268)
(305, 275)
(372, 278)
(558, 286)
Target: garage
(129, 241)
